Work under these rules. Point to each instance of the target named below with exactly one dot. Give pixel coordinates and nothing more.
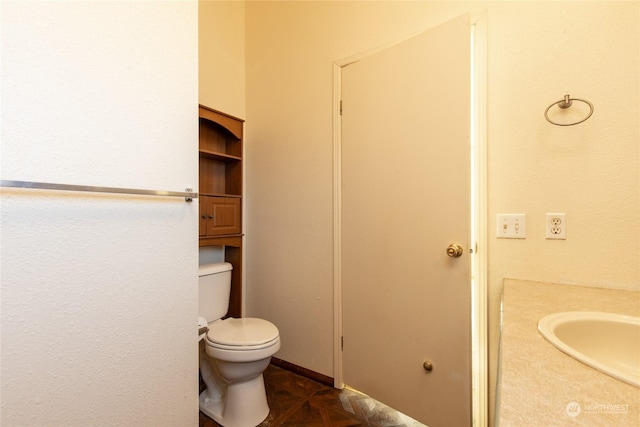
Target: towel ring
(564, 104)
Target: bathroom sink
(607, 342)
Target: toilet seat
(245, 333)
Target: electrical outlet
(511, 226)
(556, 226)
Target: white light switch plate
(511, 226)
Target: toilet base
(245, 404)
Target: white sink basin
(607, 342)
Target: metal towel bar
(188, 194)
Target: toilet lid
(246, 331)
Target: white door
(405, 198)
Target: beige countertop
(539, 385)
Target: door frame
(479, 344)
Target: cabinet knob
(210, 216)
(204, 216)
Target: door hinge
(341, 343)
(340, 107)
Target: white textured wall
(537, 52)
(99, 292)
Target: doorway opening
(477, 246)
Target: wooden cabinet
(220, 192)
(220, 216)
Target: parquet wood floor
(296, 401)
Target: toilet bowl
(233, 355)
(236, 353)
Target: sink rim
(548, 323)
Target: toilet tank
(214, 288)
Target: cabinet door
(222, 215)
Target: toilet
(233, 354)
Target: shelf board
(219, 156)
(234, 240)
(203, 193)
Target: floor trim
(312, 375)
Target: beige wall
(537, 52)
(221, 61)
(221, 71)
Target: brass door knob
(427, 365)
(454, 250)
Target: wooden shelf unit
(220, 192)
